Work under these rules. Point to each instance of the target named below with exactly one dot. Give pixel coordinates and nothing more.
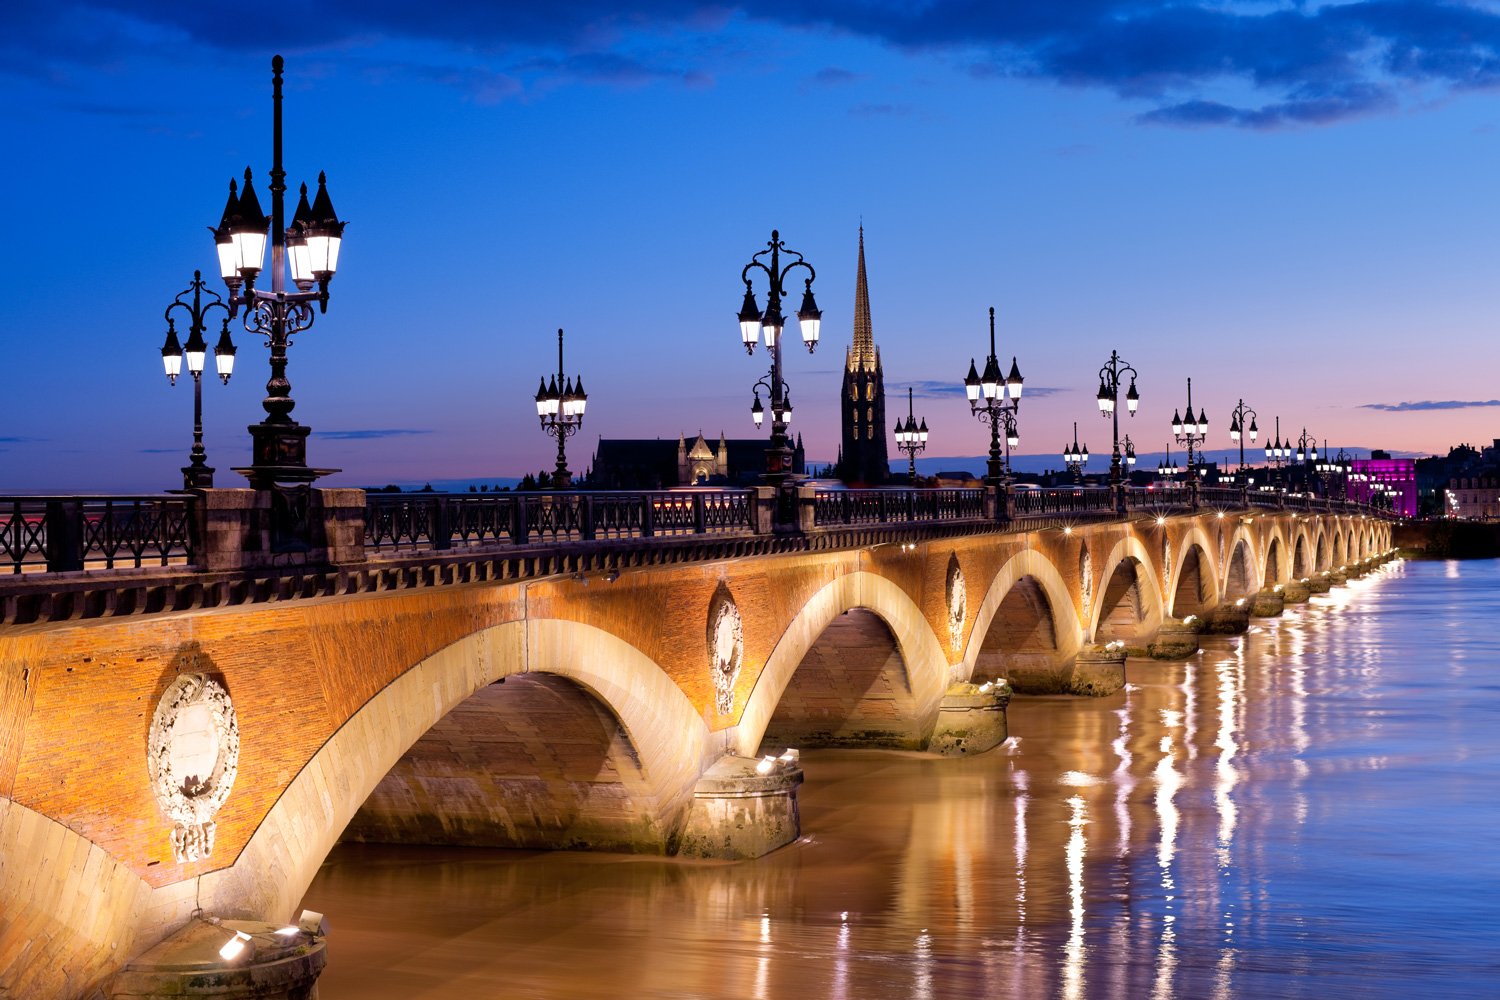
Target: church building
(862, 455)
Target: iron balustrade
(1062, 500)
(52, 534)
(446, 520)
(896, 506)
(61, 534)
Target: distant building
(1474, 498)
(653, 464)
(863, 458)
(961, 478)
(1396, 477)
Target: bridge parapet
(90, 557)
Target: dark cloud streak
(1430, 404)
(1299, 64)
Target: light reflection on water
(1308, 811)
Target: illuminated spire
(862, 355)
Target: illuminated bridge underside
(381, 716)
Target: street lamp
(1165, 469)
(1076, 457)
(988, 402)
(1190, 432)
(1335, 465)
(1277, 452)
(754, 324)
(1108, 398)
(197, 474)
(559, 406)
(911, 439)
(1129, 455)
(309, 248)
(1307, 451)
(1239, 430)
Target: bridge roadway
(573, 692)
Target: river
(1309, 810)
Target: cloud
(1431, 404)
(1294, 63)
(368, 434)
(833, 75)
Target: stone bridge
(617, 705)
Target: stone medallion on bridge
(192, 754)
(958, 603)
(726, 647)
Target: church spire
(862, 354)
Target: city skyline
(1311, 236)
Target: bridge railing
(448, 520)
(837, 507)
(61, 534)
(1062, 500)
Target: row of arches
(550, 733)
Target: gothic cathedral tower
(863, 458)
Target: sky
(1292, 203)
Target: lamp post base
(197, 477)
(278, 454)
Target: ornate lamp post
(1335, 465)
(1165, 469)
(1075, 457)
(754, 324)
(911, 438)
(988, 402)
(1190, 432)
(197, 474)
(1129, 456)
(1109, 399)
(1239, 430)
(309, 247)
(559, 406)
(1307, 451)
(1277, 452)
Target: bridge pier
(971, 719)
(1268, 603)
(1319, 583)
(1228, 619)
(1099, 670)
(265, 962)
(743, 808)
(1177, 639)
(1296, 591)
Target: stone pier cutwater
(744, 808)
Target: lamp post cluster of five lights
(559, 406)
(1108, 398)
(988, 402)
(1190, 432)
(1340, 465)
(911, 439)
(754, 324)
(1239, 430)
(1165, 469)
(1307, 451)
(309, 248)
(1075, 457)
(1277, 453)
(197, 474)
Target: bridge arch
(1028, 608)
(667, 735)
(927, 670)
(1240, 578)
(1129, 603)
(1195, 577)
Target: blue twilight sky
(1291, 202)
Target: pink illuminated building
(1396, 477)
